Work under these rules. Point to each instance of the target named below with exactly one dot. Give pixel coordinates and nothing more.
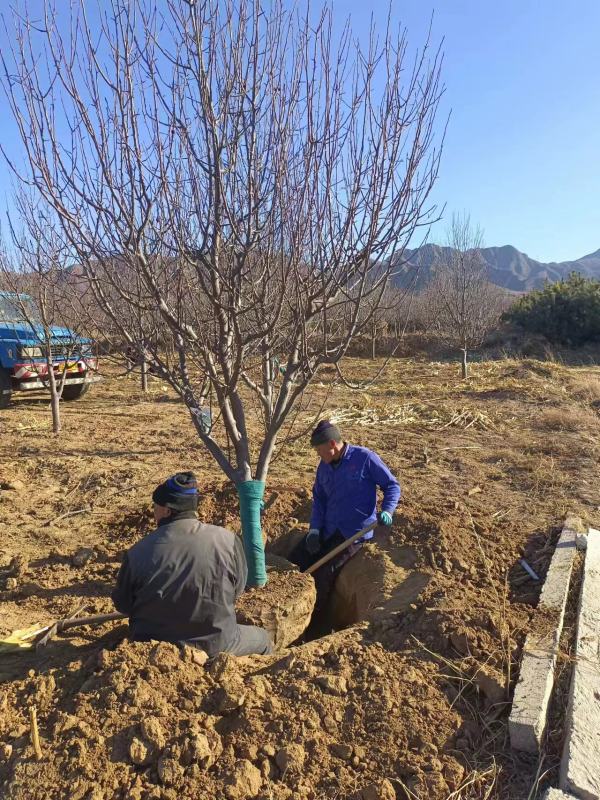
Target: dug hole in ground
(408, 699)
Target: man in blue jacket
(344, 502)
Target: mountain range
(508, 267)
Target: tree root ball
(283, 606)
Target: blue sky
(522, 152)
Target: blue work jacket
(345, 497)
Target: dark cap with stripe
(179, 492)
(325, 431)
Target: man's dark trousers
(326, 575)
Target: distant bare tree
(389, 320)
(462, 305)
(401, 310)
(235, 174)
(418, 313)
(51, 355)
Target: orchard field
(409, 699)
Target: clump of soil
(147, 721)
(283, 607)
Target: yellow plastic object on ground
(21, 640)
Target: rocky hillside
(508, 267)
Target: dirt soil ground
(410, 701)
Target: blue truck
(23, 357)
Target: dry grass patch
(569, 447)
(565, 419)
(429, 415)
(585, 388)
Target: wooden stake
(35, 736)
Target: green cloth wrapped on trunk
(251, 494)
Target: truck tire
(75, 391)
(5, 388)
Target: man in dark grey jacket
(180, 583)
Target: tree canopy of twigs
(229, 176)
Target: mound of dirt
(528, 369)
(339, 717)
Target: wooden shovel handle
(73, 622)
(340, 548)
(95, 619)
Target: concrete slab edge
(529, 711)
(580, 765)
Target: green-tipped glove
(384, 518)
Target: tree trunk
(251, 494)
(55, 404)
(54, 395)
(144, 374)
(464, 364)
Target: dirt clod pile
(147, 721)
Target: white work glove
(313, 541)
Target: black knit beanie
(179, 492)
(325, 432)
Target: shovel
(339, 549)
(50, 631)
(38, 636)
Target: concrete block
(580, 766)
(556, 794)
(527, 719)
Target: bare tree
(237, 174)
(387, 317)
(49, 355)
(462, 304)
